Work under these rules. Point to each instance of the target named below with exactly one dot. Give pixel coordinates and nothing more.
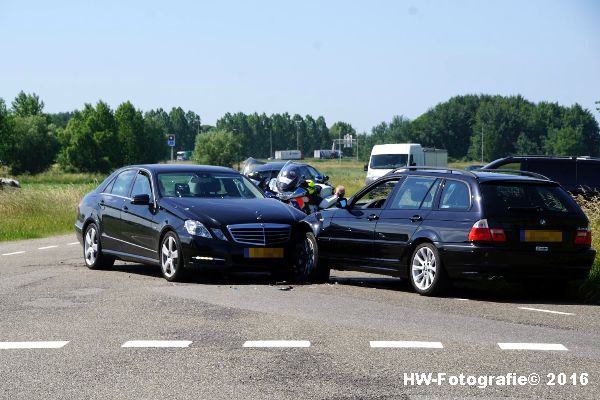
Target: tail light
(481, 232)
(583, 236)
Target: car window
(562, 171)
(206, 185)
(587, 174)
(500, 197)
(313, 172)
(376, 196)
(142, 185)
(123, 182)
(455, 196)
(415, 192)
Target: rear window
(502, 197)
(562, 171)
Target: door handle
(416, 218)
(373, 217)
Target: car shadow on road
(498, 291)
(203, 277)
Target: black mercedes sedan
(185, 216)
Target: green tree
(217, 147)
(566, 141)
(31, 144)
(25, 105)
(131, 136)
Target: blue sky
(358, 61)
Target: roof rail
(437, 169)
(517, 172)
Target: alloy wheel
(169, 256)
(91, 246)
(424, 268)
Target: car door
(351, 230)
(139, 225)
(112, 202)
(407, 209)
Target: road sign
(171, 140)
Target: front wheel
(306, 266)
(426, 273)
(171, 258)
(92, 250)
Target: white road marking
(277, 343)
(13, 253)
(46, 247)
(546, 311)
(157, 343)
(532, 346)
(458, 298)
(72, 243)
(32, 345)
(406, 344)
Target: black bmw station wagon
(184, 216)
(434, 225)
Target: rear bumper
(463, 260)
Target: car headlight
(197, 228)
(218, 233)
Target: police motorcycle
(304, 194)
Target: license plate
(264, 252)
(541, 236)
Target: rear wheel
(92, 250)
(171, 258)
(426, 273)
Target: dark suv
(578, 175)
(434, 225)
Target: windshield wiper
(525, 209)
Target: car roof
(481, 176)
(161, 168)
(270, 166)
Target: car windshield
(388, 161)
(206, 185)
(500, 197)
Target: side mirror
(366, 168)
(342, 203)
(325, 178)
(141, 199)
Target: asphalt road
(211, 324)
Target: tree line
(99, 139)
(508, 125)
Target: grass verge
(39, 210)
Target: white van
(388, 157)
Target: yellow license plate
(264, 252)
(541, 236)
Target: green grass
(39, 210)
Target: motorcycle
(303, 194)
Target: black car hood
(222, 212)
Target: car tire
(425, 270)
(306, 264)
(171, 258)
(92, 249)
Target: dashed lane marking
(13, 253)
(532, 346)
(47, 247)
(157, 343)
(546, 311)
(32, 345)
(72, 243)
(409, 344)
(277, 343)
